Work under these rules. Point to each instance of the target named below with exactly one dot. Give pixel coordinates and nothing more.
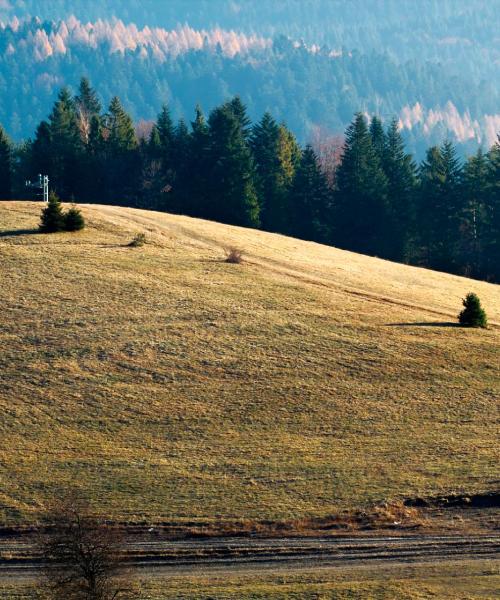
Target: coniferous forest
(372, 197)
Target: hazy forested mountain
(433, 64)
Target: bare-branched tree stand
(83, 557)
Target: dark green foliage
(310, 201)
(443, 216)
(52, 219)
(5, 166)
(232, 194)
(73, 220)
(121, 156)
(361, 212)
(272, 182)
(401, 174)
(491, 235)
(440, 207)
(473, 314)
(87, 100)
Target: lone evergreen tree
(73, 220)
(5, 166)
(473, 315)
(52, 219)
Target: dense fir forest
(373, 198)
(434, 64)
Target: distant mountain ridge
(450, 90)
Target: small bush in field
(52, 219)
(74, 220)
(473, 314)
(234, 256)
(138, 241)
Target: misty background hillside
(433, 64)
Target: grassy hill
(168, 385)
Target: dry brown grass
(165, 385)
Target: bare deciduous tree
(83, 557)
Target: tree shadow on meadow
(18, 232)
(425, 324)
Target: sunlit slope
(167, 384)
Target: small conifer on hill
(73, 220)
(473, 315)
(53, 219)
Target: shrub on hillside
(473, 314)
(138, 241)
(73, 220)
(52, 219)
(234, 256)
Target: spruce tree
(73, 220)
(122, 165)
(378, 137)
(310, 201)
(361, 214)
(492, 216)
(401, 173)
(65, 146)
(265, 144)
(440, 207)
(5, 166)
(240, 112)
(474, 218)
(87, 99)
(473, 315)
(52, 219)
(232, 195)
(198, 183)
(181, 169)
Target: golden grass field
(167, 385)
(477, 580)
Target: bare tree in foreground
(84, 557)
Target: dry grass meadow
(165, 384)
(476, 580)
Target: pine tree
(492, 216)
(473, 226)
(265, 144)
(473, 314)
(310, 201)
(5, 166)
(87, 106)
(41, 151)
(361, 214)
(232, 194)
(240, 112)
(440, 207)
(121, 133)
(65, 146)
(52, 219)
(122, 164)
(181, 169)
(73, 220)
(378, 137)
(198, 183)
(87, 99)
(401, 173)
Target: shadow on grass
(17, 232)
(426, 324)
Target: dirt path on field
(155, 556)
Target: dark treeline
(442, 214)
